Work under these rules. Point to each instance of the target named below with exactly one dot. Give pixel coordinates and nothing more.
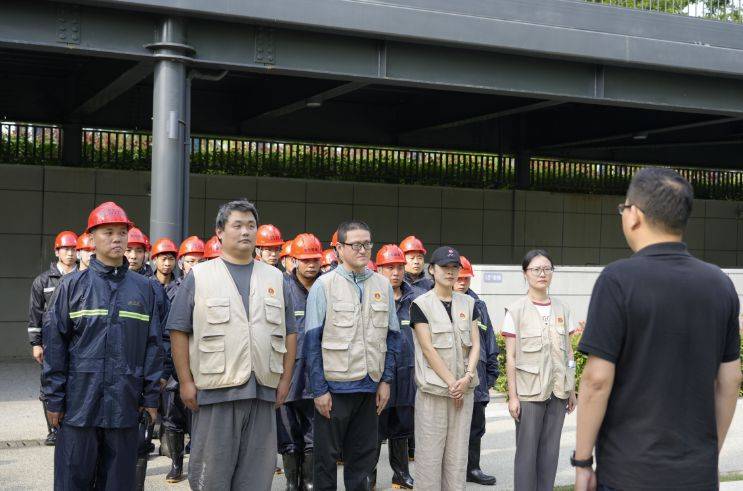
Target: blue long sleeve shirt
(314, 323)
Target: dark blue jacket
(422, 282)
(103, 355)
(299, 385)
(402, 390)
(165, 295)
(487, 367)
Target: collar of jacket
(354, 277)
(472, 294)
(112, 272)
(407, 291)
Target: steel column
(169, 132)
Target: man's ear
(637, 218)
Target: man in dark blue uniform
(295, 418)
(487, 373)
(396, 420)
(103, 362)
(137, 247)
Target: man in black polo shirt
(659, 389)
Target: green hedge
(501, 385)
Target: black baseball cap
(445, 255)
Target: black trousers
(294, 426)
(396, 422)
(176, 416)
(477, 428)
(351, 432)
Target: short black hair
(241, 204)
(529, 257)
(664, 196)
(346, 227)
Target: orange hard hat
(164, 246)
(85, 242)
(108, 213)
(334, 239)
(67, 238)
(136, 237)
(329, 257)
(390, 254)
(411, 243)
(466, 270)
(268, 236)
(212, 248)
(371, 265)
(306, 246)
(286, 249)
(192, 245)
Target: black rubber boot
(175, 447)
(51, 437)
(291, 470)
(401, 478)
(474, 473)
(141, 473)
(411, 449)
(307, 478)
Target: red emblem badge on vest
(462, 315)
(560, 320)
(377, 296)
(271, 291)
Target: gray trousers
(234, 446)
(538, 444)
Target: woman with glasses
(541, 374)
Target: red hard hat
(85, 242)
(108, 213)
(306, 246)
(192, 245)
(163, 246)
(466, 270)
(411, 243)
(268, 236)
(65, 239)
(334, 239)
(286, 249)
(329, 257)
(212, 248)
(372, 266)
(137, 238)
(390, 254)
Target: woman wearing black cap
(446, 356)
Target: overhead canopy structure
(527, 77)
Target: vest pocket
(217, 310)
(278, 348)
(528, 382)
(343, 314)
(335, 355)
(211, 354)
(465, 332)
(273, 310)
(531, 341)
(380, 314)
(569, 379)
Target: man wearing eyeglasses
(351, 339)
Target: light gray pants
(442, 435)
(233, 446)
(538, 444)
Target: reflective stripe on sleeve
(482, 326)
(134, 315)
(34, 329)
(299, 313)
(88, 313)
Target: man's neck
(242, 259)
(415, 276)
(349, 269)
(656, 238)
(164, 279)
(398, 292)
(63, 268)
(112, 262)
(306, 282)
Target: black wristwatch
(581, 463)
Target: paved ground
(27, 465)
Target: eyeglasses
(358, 246)
(623, 206)
(539, 271)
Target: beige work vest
(542, 352)
(354, 339)
(226, 346)
(452, 340)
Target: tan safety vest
(226, 346)
(451, 339)
(542, 352)
(354, 339)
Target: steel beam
(121, 84)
